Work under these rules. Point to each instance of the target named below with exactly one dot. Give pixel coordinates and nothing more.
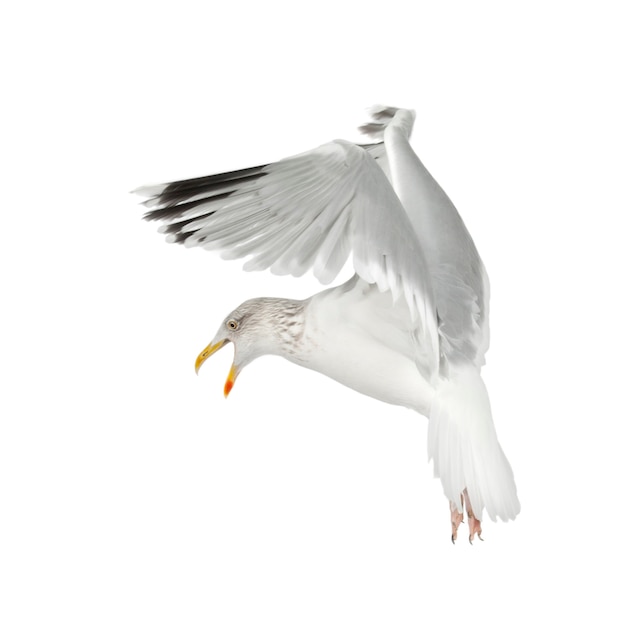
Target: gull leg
(472, 520)
(456, 518)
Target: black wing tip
(383, 112)
(372, 128)
(179, 238)
(214, 179)
(381, 116)
(172, 199)
(169, 209)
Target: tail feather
(464, 447)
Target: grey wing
(307, 211)
(460, 282)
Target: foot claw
(457, 519)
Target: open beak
(212, 348)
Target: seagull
(410, 328)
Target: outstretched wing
(307, 211)
(458, 277)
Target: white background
(131, 492)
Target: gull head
(257, 327)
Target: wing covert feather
(306, 212)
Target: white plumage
(410, 328)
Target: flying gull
(410, 328)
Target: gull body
(410, 328)
(355, 335)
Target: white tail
(464, 447)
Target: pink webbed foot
(457, 518)
(472, 521)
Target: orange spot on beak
(230, 381)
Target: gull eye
(232, 324)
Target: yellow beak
(206, 353)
